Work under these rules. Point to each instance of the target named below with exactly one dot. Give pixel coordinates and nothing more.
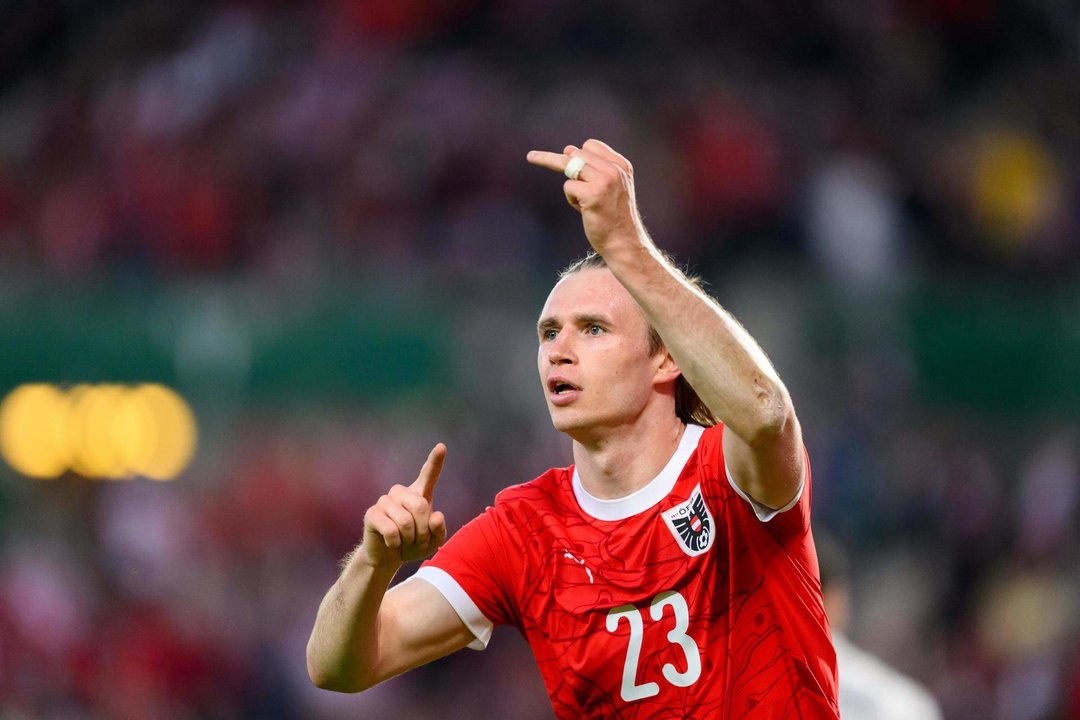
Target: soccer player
(670, 572)
(869, 688)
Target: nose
(559, 350)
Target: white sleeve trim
(463, 605)
(764, 512)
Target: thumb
(429, 474)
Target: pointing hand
(401, 526)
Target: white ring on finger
(573, 168)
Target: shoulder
(546, 489)
(708, 450)
(712, 438)
(522, 516)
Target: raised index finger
(429, 474)
(550, 160)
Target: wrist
(626, 247)
(361, 565)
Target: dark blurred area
(315, 221)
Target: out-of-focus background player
(869, 688)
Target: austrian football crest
(691, 524)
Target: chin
(568, 422)
(581, 427)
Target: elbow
(336, 683)
(774, 418)
(329, 679)
(322, 677)
(321, 680)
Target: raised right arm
(364, 633)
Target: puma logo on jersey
(580, 562)
(691, 524)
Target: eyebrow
(550, 323)
(546, 324)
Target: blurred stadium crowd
(886, 192)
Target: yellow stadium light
(98, 431)
(33, 431)
(93, 452)
(133, 432)
(175, 436)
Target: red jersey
(684, 599)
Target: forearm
(717, 356)
(343, 651)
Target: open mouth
(561, 387)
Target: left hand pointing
(603, 193)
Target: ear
(667, 371)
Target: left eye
(595, 330)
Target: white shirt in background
(871, 690)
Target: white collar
(643, 498)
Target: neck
(615, 464)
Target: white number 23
(677, 636)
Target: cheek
(631, 374)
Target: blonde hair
(688, 406)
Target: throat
(618, 468)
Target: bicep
(417, 624)
(773, 470)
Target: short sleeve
(765, 513)
(793, 518)
(765, 533)
(476, 575)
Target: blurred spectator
(869, 688)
